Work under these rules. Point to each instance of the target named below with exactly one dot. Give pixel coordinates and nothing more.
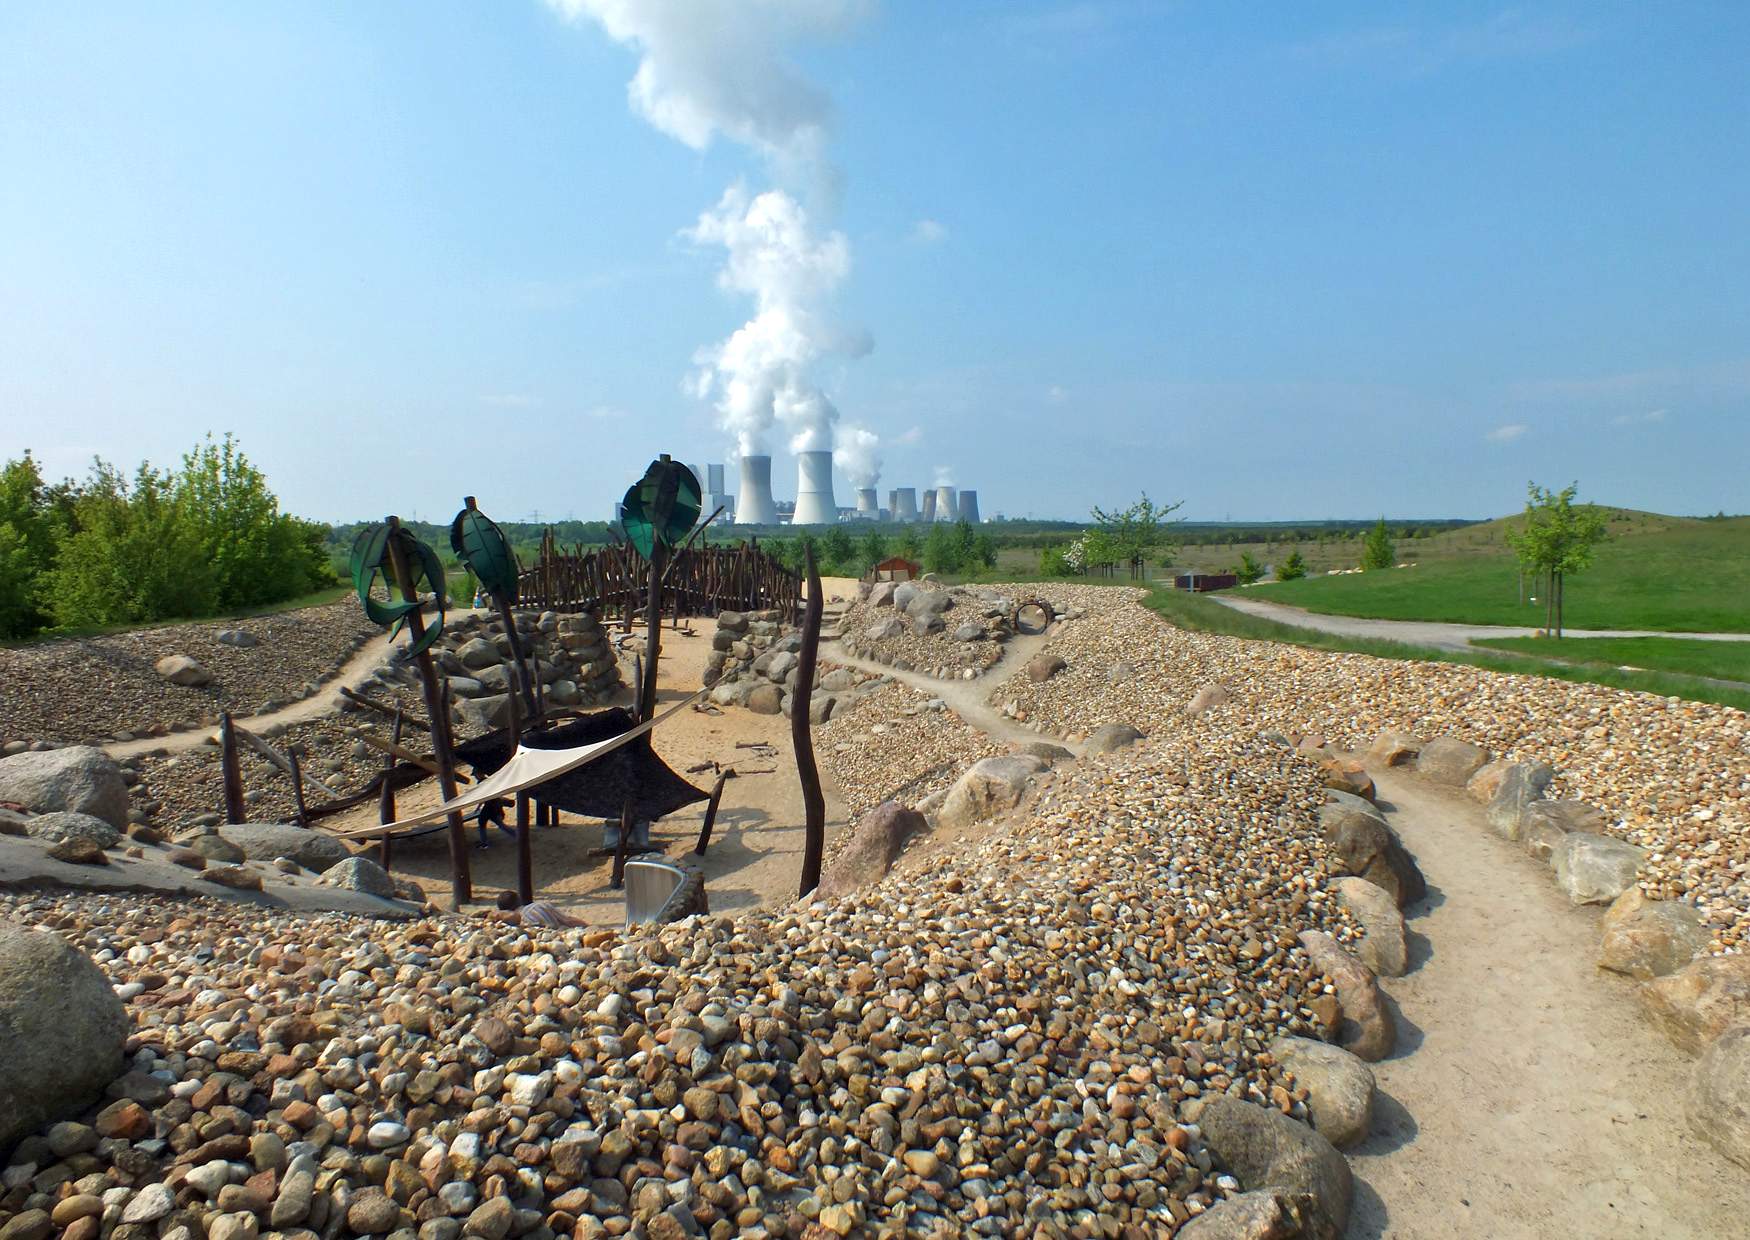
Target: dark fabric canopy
(598, 789)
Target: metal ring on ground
(1033, 618)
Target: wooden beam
(231, 776)
(802, 739)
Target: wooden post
(386, 794)
(710, 814)
(461, 881)
(618, 879)
(802, 739)
(229, 771)
(525, 865)
(652, 634)
(297, 774)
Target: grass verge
(1685, 656)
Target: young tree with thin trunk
(1555, 540)
(1378, 551)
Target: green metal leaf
(484, 550)
(370, 559)
(663, 506)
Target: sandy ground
(755, 855)
(1528, 1098)
(1424, 632)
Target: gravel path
(1536, 1101)
(1440, 635)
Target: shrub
(1291, 569)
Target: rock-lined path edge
(1528, 1096)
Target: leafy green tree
(1135, 533)
(873, 550)
(984, 550)
(941, 550)
(32, 527)
(837, 550)
(911, 543)
(257, 553)
(1293, 568)
(1378, 551)
(1249, 570)
(1052, 562)
(1555, 539)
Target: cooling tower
(945, 509)
(905, 504)
(755, 506)
(868, 508)
(967, 509)
(929, 512)
(711, 496)
(814, 502)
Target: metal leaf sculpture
(371, 558)
(662, 506)
(485, 551)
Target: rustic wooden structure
(698, 581)
(896, 568)
(813, 800)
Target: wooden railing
(701, 581)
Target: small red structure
(896, 568)
(1202, 583)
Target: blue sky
(1279, 261)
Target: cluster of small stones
(1005, 1043)
(948, 632)
(1673, 776)
(759, 670)
(897, 744)
(97, 689)
(739, 639)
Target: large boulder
(1384, 949)
(269, 841)
(874, 845)
(766, 699)
(1595, 869)
(1042, 667)
(929, 603)
(927, 623)
(1564, 816)
(989, 787)
(881, 594)
(80, 778)
(181, 670)
(884, 628)
(1521, 785)
(1264, 1215)
(1368, 1029)
(1394, 748)
(62, 1032)
(1265, 1150)
(1700, 1001)
(1207, 698)
(1482, 786)
(1110, 737)
(1339, 1087)
(478, 653)
(215, 847)
(1448, 760)
(904, 592)
(1649, 938)
(1367, 848)
(486, 714)
(359, 874)
(64, 826)
(1348, 776)
(1719, 1096)
(1539, 836)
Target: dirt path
(967, 698)
(1440, 635)
(1528, 1097)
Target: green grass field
(1656, 573)
(1722, 660)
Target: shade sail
(528, 768)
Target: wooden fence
(701, 581)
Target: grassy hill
(1656, 572)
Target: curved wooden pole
(802, 739)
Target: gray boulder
(904, 592)
(465, 687)
(1448, 760)
(486, 714)
(1595, 869)
(80, 778)
(1565, 816)
(64, 826)
(1384, 949)
(881, 594)
(1111, 737)
(62, 1032)
(1367, 848)
(478, 653)
(242, 639)
(269, 841)
(1042, 667)
(1368, 1029)
(782, 664)
(1339, 1087)
(1539, 836)
(1265, 1150)
(929, 603)
(971, 631)
(927, 623)
(1522, 784)
(564, 693)
(181, 670)
(215, 847)
(766, 699)
(1700, 1001)
(733, 621)
(359, 874)
(1264, 1215)
(1719, 1096)
(884, 628)
(1649, 938)
(990, 786)
(871, 850)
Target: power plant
(905, 504)
(929, 513)
(754, 506)
(868, 509)
(945, 509)
(967, 509)
(814, 502)
(713, 496)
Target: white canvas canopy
(526, 769)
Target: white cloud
(1507, 433)
(1639, 419)
(910, 436)
(929, 232)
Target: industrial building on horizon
(754, 503)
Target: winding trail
(1528, 1097)
(1439, 634)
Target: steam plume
(858, 453)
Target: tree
(1249, 570)
(1378, 551)
(837, 549)
(874, 549)
(941, 551)
(911, 543)
(31, 531)
(1291, 569)
(1134, 533)
(1554, 540)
